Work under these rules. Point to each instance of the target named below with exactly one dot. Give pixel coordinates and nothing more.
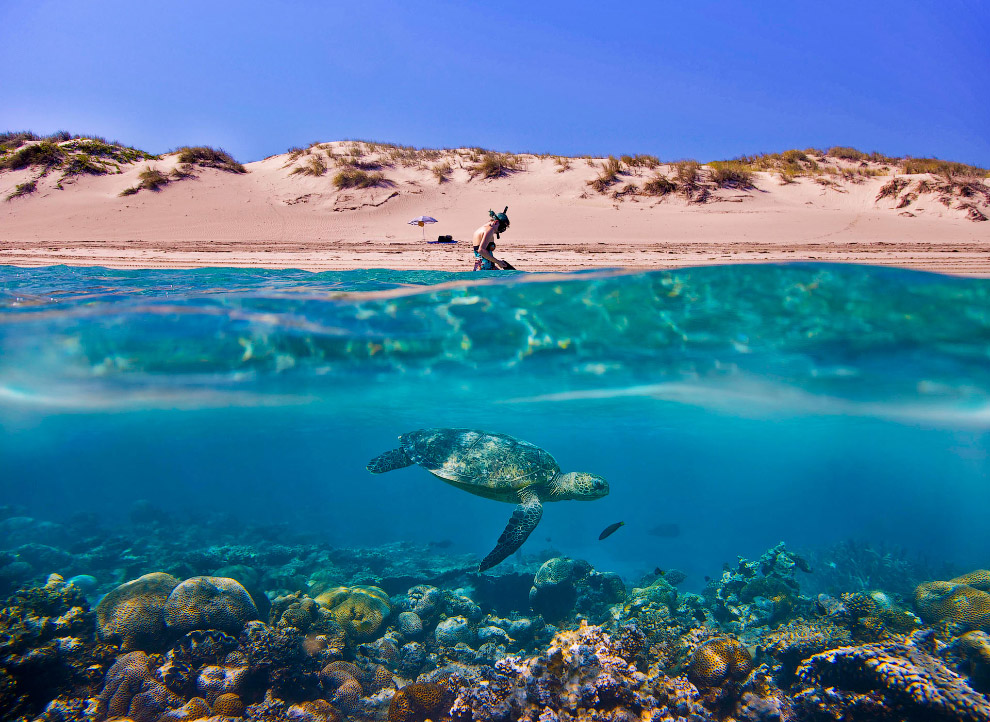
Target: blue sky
(701, 79)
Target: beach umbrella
(421, 221)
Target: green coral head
(581, 485)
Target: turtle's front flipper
(521, 524)
(394, 459)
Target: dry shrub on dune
(659, 185)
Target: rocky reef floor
(158, 621)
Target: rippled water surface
(739, 406)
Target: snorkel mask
(503, 221)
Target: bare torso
(484, 243)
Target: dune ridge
(345, 204)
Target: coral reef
(758, 593)
(133, 613)
(941, 602)
(903, 678)
(419, 702)
(48, 647)
(293, 629)
(719, 661)
(209, 603)
(360, 610)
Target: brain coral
(194, 709)
(341, 680)
(980, 579)
(416, 703)
(409, 624)
(426, 601)
(951, 602)
(228, 705)
(133, 612)
(209, 603)
(318, 710)
(214, 681)
(360, 610)
(718, 661)
(124, 680)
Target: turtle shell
(495, 466)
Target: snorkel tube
(503, 221)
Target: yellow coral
(979, 579)
(860, 604)
(360, 610)
(718, 661)
(133, 612)
(228, 705)
(951, 602)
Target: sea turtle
(495, 466)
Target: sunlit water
(745, 404)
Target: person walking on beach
(484, 242)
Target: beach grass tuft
(314, 166)
(659, 185)
(608, 174)
(46, 153)
(730, 174)
(207, 157)
(442, 172)
(357, 178)
(490, 165)
(945, 168)
(152, 179)
(892, 188)
(23, 189)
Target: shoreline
(971, 259)
(281, 213)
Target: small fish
(610, 530)
(666, 531)
(659, 572)
(707, 578)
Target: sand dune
(275, 218)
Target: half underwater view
(745, 493)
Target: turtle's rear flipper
(394, 459)
(521, 524)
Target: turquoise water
(739, 406)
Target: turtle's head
(580, 485)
